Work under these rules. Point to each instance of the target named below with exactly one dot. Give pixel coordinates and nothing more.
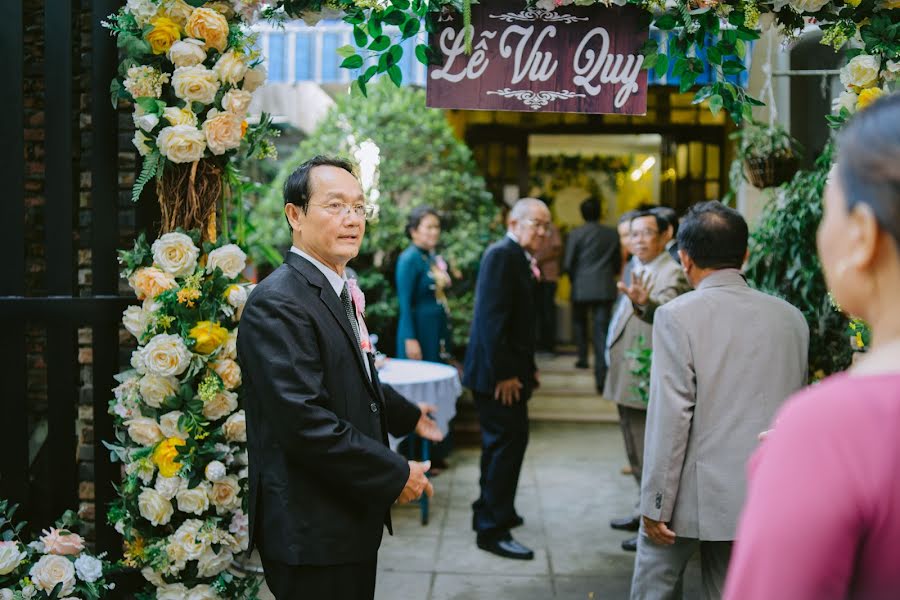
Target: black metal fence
(71, 154)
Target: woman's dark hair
(714, 236)
(868, 162)
(590, 209)
(415, 218)
(297, 188)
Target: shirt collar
(654, 264)
(723, 277)
(337, 282)
(513, 237)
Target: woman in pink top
(822, 518)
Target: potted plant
(769, 153)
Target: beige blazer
(629, 323)
(724, 359)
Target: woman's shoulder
(410, 256)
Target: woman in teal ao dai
(422, 278)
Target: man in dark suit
(593, 259)
(322, 477)
(500, 371)
(669, 215)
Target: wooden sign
(583, 59)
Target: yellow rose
(208, 335)
(150, 282)
(223, 131)
(868, 96)
(165, 32)
(210, 26)
(852, 2)
(165, 455)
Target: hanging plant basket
(189, 193)
(770, 171)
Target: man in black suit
(500, 371)
(592, 260)
(322, 477)
(669, 215)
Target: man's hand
(659, 532)
(427, 428)
(413, 349)
(639, 290)
(417, 483)
(507, 391)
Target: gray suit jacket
(725, 357)
(629, 323)
(592, 260)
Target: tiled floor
(571, 486)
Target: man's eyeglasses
(644, 233)
(538, 225)
(339, 209)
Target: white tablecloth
(421, 381)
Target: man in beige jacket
(651, 280)
(725, 357)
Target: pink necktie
(359, 301)
(534, 269)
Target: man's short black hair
(590, 209)
(670, 216)
(661, 223)
(714, 236)
(627, 217)
(297, 189)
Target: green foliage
(783, 262)
(758, 140)
(641, 357)
(422, 162)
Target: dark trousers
(504, 437)
(354, 581)
(546, 316)
(601, 313)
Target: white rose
(241, 458)
(847, 100)
(169, 486)
(254, 78)
(187, 53)
(52, 570)
(155, 507)
(144, 469)
(224, 494)
(11, 556)
(153, 577)
(171, 591)
(194, 500)
(166, 354)
(236, 296)
(175, 253)
(237, 101)
(229, 348)
(548, 5)
(138, 360)
(136, 319)
(6, 594)
(168, 424)
(180, 116)
(156, 388)
(140, 142)
(195, 84)
(240, 527)
(201, 592)
(235, 427)
(221, 405)
(230, 258)
(142, 10)
(181, 143)
(861, 71)
(144, 120)
(212, 563)
(29, 592)
(223, 131)
(189, 543)
(144, 431)
(215, 471)
(88, 568)
(230, 68)
(807, 6)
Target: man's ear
(686, 262)
(294, 215)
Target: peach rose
(210, 26)
(229, 371)
(223, 131)
(62, 542)
(150, 282)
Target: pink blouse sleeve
(799, 530)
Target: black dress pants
(355, 581)
(546, 316)
(504, 437)
(600, 312)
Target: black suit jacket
(501, 342)
(322, 477)
(592, 260)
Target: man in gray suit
(724, 359)
(653, 279)
(592, 260)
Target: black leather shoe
(506, 547)
(516, 521)
(581, 364)
(626, 524)
(630, 545)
